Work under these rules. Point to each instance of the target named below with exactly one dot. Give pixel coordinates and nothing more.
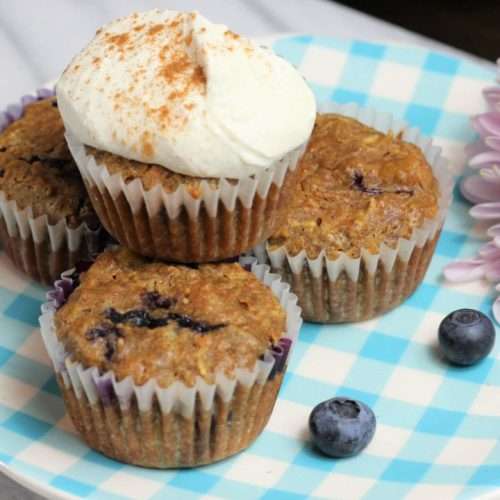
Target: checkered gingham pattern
(438, 425)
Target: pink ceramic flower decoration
(483, 189)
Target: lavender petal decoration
(483, 190)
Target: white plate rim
(33, 485)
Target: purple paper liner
(64, 287)
(280, 353)
(62, 290)
(105, 390)
(15, 111)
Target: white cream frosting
(175, 90)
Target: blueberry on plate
(466, 336)
(342, 427)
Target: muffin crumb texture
(36, 168)
(152, 175)
(360, 188)
(152, 320)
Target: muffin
(47, 222)
(167, 365)
(187, 135)
(364, 221)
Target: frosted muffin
(169, 366)
(187, 134)
(47, 222)
(363, 224)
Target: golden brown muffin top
(151, 175)
(36, 168)
(360, 188)
(148, 319)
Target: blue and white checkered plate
(438, 426)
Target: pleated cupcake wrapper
(353, 289)
(92, 396)
(221, 223)
(15, 111)
(40, 249)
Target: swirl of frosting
(175, 90)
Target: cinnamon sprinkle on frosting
(119, 40)
(155, 29)
(172, 74)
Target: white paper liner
(227, 193)
(383, 122)
(222, 223)
(22, 224)
(178, 397)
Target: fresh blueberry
(342, 427)
(466, 336)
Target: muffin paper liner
(175, 426)
(220, 224)
(40, 249)
(354, 289)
